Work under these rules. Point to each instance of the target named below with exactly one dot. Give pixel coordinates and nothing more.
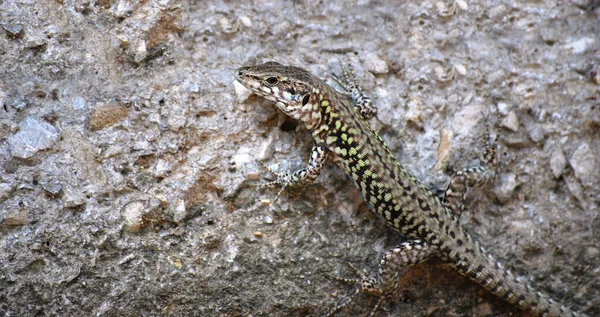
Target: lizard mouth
(255, 85)
(249, 82)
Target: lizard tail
(481, 267)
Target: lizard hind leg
(367, 285)
(390, 267)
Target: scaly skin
(340, 130)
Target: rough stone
(163, 158)
(511, 121)
(132, 216)
(536, 133)
(583, 163)
(51, 187)
(505, 191)
(14, 31)
(34, 135)
(83, 153)
(375, 64)
(580, 45)
(107, 114)
(72, 197)
(242, 93)
(444, 149)
(558, 162)
(14, 217)
(5, 190)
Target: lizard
(338, 122)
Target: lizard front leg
(301, 176)
(362, 102)
(454, 196)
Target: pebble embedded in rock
(34, 135)
(558, 162)
(16, 217)
(375, 65)
(14, 31)
(536, 133)
(132, 214)
(52, 187)
(444, 149)
(5, 189)
(581, 45)
(106, 115)
(72, 197)
(511, 121)
(583, 163)
(506, 189)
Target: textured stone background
(126, 152)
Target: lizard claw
(283, 178)
(366, 285)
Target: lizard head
(294, 90)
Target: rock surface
(126, 153)
(34, 135)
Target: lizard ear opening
(305, 99)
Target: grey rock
(72, 197)
(18, 104)
(3, 97)
(496, 12)
(375, 64)
(34, 135)
(5, 190)
(79, 147)
(583, 163)
(558, 162)
(511, 121)
(576, 189)
(132, 215)
(504, 192)
(166, 152)
(14, 31)
(581, 44)
(17, 216)
(536, 133)
(79, 103)
(51, 187)
(35, 40)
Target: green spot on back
(387, 197)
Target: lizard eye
(305, 99)
(272, 81)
